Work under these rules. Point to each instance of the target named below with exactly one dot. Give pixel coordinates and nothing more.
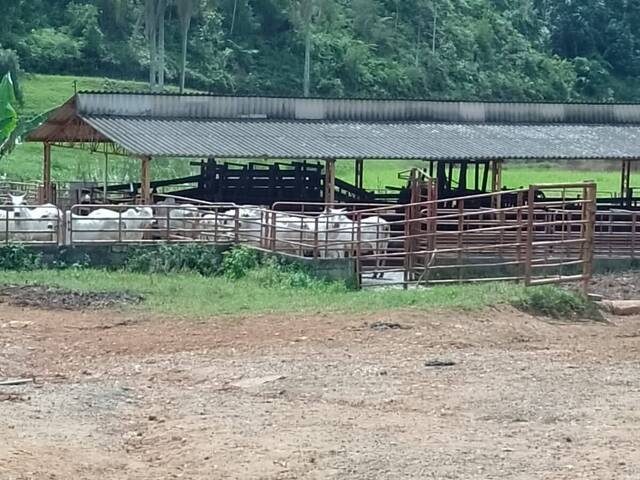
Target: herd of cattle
(330, 234)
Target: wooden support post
(477, 176)
(496, 182)
(519, 205)
(360, 173)
(105, 187)
(589, 218)
(528, 262)
(47, 193)
(485, 176)
(330, 182)
(145, 181)
(441, 178)
(625, 184)
(462, 180)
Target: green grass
(195, 296)
(381, 173)
(44, 92)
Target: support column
(496, 182)
(106, 175)
(47, 192)
(145, 181)
(360, 173)
(330, 182)
(625, 184)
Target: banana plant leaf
(8, 114)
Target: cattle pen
(267, 179)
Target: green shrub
(557, 303)
(278, 273)
(238, 261)
(200, 259)
(18, 257)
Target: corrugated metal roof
(355, 110)
(368, 140)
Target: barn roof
(281, 128)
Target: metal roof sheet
(352, 110)
(288, 139)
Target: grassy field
(211, 296)
(43, 92)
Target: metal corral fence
(526, 239)
(30, 190)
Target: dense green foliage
(557, 303)
(202, 259)
(18, 257)
(485, 49)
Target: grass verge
(192, 295)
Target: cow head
(144, 212)
(18, 205)
(17, 200)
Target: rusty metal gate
(523, 238)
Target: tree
(304, 14)
(185, 13)
(154, 16)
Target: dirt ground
(399, 395)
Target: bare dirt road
(123, 396)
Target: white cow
(183, 219)
(249, 225)
(217, 227)
(335, 233)
(38, 224)
(289, 233)
(340, 235)
(100, 225)
(104, 225)
(138, 222)
(375, 233)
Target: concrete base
(622, 307)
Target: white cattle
(104, 225)
(138, 222)
(338, 236)
(249, 225)
(217, 227)
(182, 219)
(289, 233)
(38, 224)
(375, 233)
(100, 225)
(335, 233)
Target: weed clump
(557, 303)
(166, 259)
(18, 257)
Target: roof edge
(371, 99)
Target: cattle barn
(289, 146)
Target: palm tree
(302, 15)
(185, 13)
(154, 14)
